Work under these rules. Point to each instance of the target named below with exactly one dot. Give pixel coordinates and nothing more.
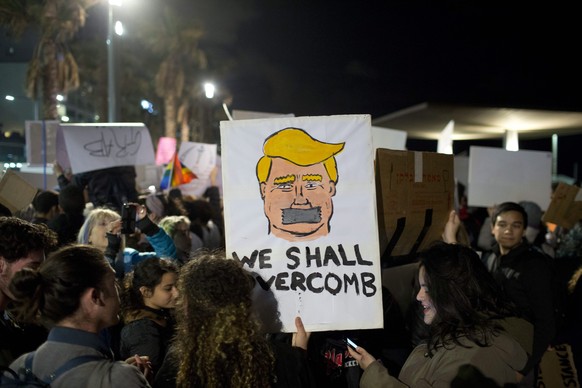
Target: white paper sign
(200, 158)
(389, 138)
(300, 213)
(95, 146)
(41, 141)
(497, 175)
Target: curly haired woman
(219, 343)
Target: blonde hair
(96, 215)
(296, 146)
(169, 223)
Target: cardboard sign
(415, 197)
(300, 215)
(557, 368)
(566, 206)
(92, 147)
(15, 192)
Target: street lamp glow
(119, 28)
(209, 90)
(60, 97)
(9, 98)
(116, 2)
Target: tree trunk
(185, 131)
(170, 115)
(49, 81)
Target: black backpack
(24, 377)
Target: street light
(111, 89)
(209, 89)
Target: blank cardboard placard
(41, 143)
(389, 138)
(497, 176)
(15, 192)
(565, 209)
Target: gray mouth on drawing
(302, 216)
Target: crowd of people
(85, 302)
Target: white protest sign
(200, 158)
(249, 114)
(300, 214)
(95, 146)
(497, 175)
(41, 141)
(389, 138)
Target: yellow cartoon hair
(297, 147)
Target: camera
(128, 213)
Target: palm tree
(53, 69)
(175, 40)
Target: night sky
(324, 57)
(378, 56)
(339, 57)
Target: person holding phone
(464, 309)
(103, 229)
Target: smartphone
(128, 212)
(351, 343)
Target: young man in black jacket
(525, 274)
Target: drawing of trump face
(297, 178)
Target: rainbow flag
(176, 174)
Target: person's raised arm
(451, 228)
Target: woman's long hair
(219, 342)
(53, 292)
(466, 296)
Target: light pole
(111, 85)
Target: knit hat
(155, 205)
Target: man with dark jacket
(525, 274)
(107, 187)
(22, 245)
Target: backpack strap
(71, 364)
(67, 366)
(30, 376)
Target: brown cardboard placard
(566, 206)
(557, 368)
(415, 192)
(15, 192)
